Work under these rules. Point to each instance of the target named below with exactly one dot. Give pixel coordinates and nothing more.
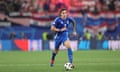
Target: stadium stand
(34, 16)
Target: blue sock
(70, 55)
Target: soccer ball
(68, 66)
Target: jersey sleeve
(55, 22)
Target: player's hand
(63, 29)
(74, 33)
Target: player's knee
(68, 46)
(56, 51)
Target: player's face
(64, 14)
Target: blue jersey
(59, 23)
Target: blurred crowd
(7, 6)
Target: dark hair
(62, 10)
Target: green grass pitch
(85, 61)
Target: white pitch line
(10, 65)
(23, 64)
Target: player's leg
(70, 54)
(68, 46)
(53, 56)
(55, 52)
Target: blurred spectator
(3, 7)
(50, 36)
(100, 36)
(83, 6)
(38, 5)
(95, 10)
(118, 37)
(46, 5)
(26, 6)
(99, 40)
(60, 4)
(10, 5)
(44, 36)
(87, 35)
(23, 36)
(111, 5)
(17, 5)
(80, 37)
(12, 35)
(117, 5)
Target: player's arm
(53, 28)
(74, 26)
(54, 25)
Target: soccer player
(60, 27)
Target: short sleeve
(55, 22)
